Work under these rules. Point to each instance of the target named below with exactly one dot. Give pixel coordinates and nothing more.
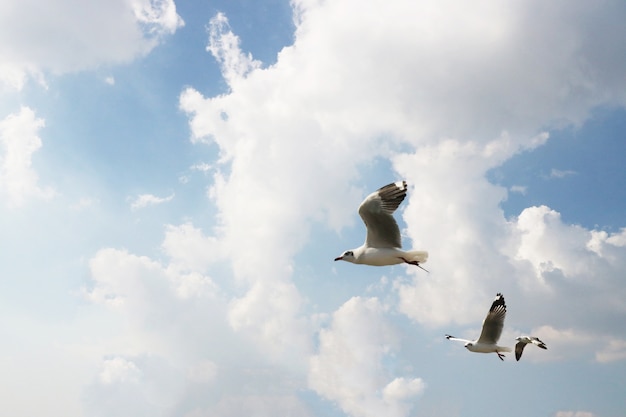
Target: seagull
(522, 341)
(383, 243)
(492, 328)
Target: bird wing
(377, 214)
(494, 322)
(449, 337)
(519, 349)
(539, 343)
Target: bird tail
(504, 349)
(419, 256)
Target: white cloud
(119, 370)
(224, 46)
(19, 140)
(349, 101)
(174, 338)
(295, 140)
(521, 189)
(78, 35)
(204, 371)
(145, 200)
(158, 16)
(558, 173)
(614, 351)
(189, 249)
(348, 368)
(202, 167)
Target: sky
(176, 179)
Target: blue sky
(176, 179)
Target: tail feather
(419, 256)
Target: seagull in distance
(383, 242)
(522, 341)
(492, 329)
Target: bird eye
(349, 253)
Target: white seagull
(383, 242)
(492, 329)
(522, 341)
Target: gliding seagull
(383, 242)
(522, 341)
(492, 329)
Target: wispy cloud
(558, 173)
(520, 189)
(145, 200)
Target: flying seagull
(492, 329)
(383, 243)
(522, 341)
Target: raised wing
(377, 214)
(494, 322)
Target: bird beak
(339, 258)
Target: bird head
(347, 256)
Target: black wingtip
(498, 303)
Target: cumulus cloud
(78, 35)
(189, 249)
(348, 369)
(346, 106)
(119, 370)
(174, 341)
(19, 140)
(296, 141)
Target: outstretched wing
(519, 349)
(539, 343)
(377, 214)
(449, 337)
(494, 322)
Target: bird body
(383, 256)
(522, 341)
(491, 331)
(383, 243)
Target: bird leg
(417, 264)
(500, 355)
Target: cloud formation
(145, 200)
(78, 35)
(296, 142)
(348, 367)
(18, 141)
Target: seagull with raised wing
(383, 244)
(522, 341)
(492, 329)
